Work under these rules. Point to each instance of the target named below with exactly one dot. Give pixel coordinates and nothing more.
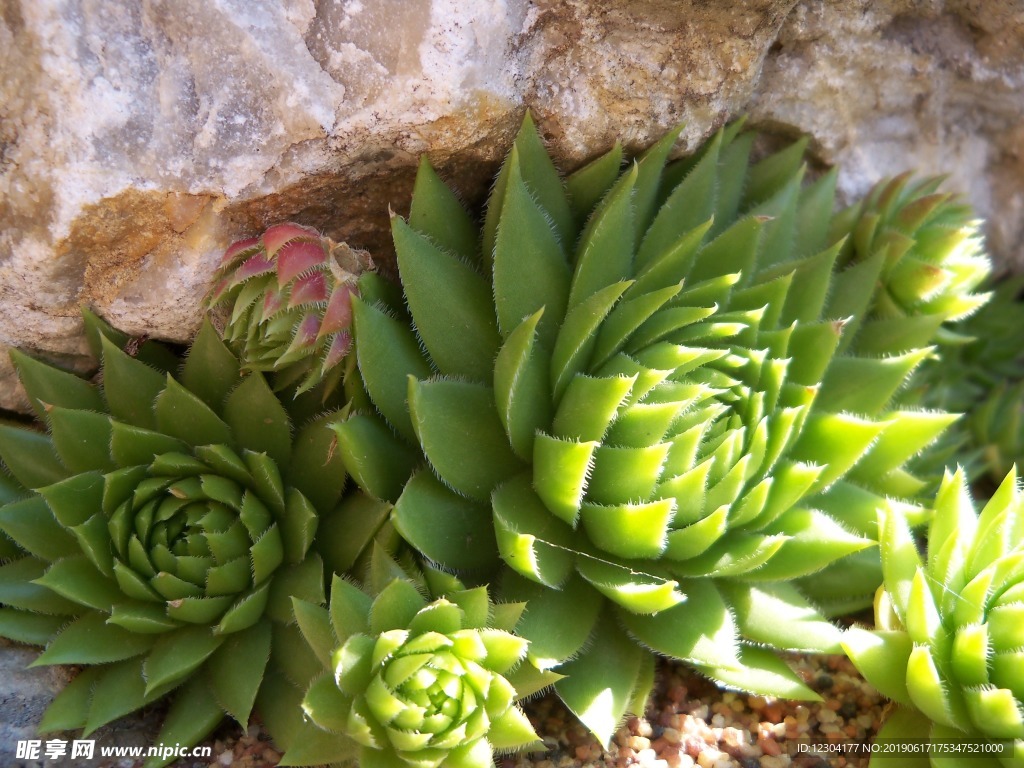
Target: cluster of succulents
(668, 401)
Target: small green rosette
(417, 683)
(162, 525)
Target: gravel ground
(689, 723)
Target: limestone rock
(137, 140)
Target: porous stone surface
(137, 140)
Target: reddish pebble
(671, 756)
(769, 746)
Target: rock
(884, 87)
(607, 70)
(138, 140)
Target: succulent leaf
(980, 374)
(599, 686)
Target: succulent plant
(926, 249)
(948, 634)
(288, 293)
(983, 378)
(643, 424)
(164, 524)
(417, 682)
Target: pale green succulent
(288, 293)
(413, 682)
(949, 627)
(642, 423)
(163, 524)
(926, 249)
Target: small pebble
(848, 710)
(646, 756)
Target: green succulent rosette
(949, 627)
(624, 398)
(288, 293)
(163, 523)
(927, 249)
(414, 682)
